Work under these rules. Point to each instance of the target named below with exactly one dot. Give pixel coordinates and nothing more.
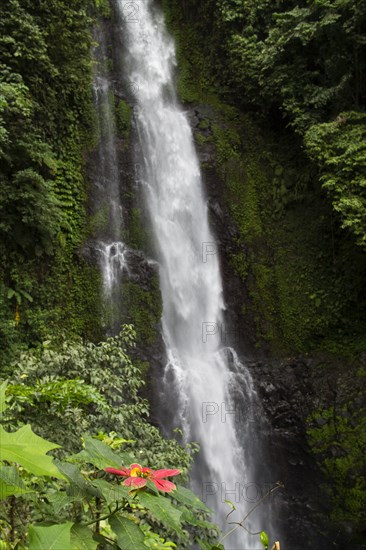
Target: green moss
(98, 222)
(124, 120)
(65, 302)
(68, 300)
(299, 292)
(201, 139)
(194, 83)
(240, 264)
(338, 439)
(204, 124)
(136, 235)
(143, 309)
(104, 8)
(242, 192)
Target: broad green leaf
(111, 492)
(59, 501)
(100, 455)
(2, 398)
(162, 510)
(53, 537)
(79, 486)
(11, 483)
(29, 450)
(82, 538)
(129, 535)
(186, 496)
(264, 539)
(150, 485)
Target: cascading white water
(113, 263)
(198, 380)
(112, 252)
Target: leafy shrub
(74, 504)
(82, 387)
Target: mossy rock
(143, 309)
(124, 120)
(338, 440)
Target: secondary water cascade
(203, 380)
(111, 250)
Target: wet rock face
(286, 392)
(290, 391)
(238, 329)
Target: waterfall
(107, 203)
(202, 378)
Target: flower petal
(123, 472)
(164, 485)
(135, 482)
(165, 473)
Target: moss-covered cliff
(47, 126)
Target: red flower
(137, 477)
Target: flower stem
(278, 485)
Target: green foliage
(82, 538)
(72, 503)
(28, 450)
(103, 7)
(296, 65)
(55, 537)
(46, 124)
(29, 210)
(301, 58)
(339, 149)
(2, 398)
(124, 120)
(337, 438)
(82, 387)
(101, 512)
(143, 309)
(137, 236)
(129, 535)
(44, 93)
(11, 483)
(61, 393)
